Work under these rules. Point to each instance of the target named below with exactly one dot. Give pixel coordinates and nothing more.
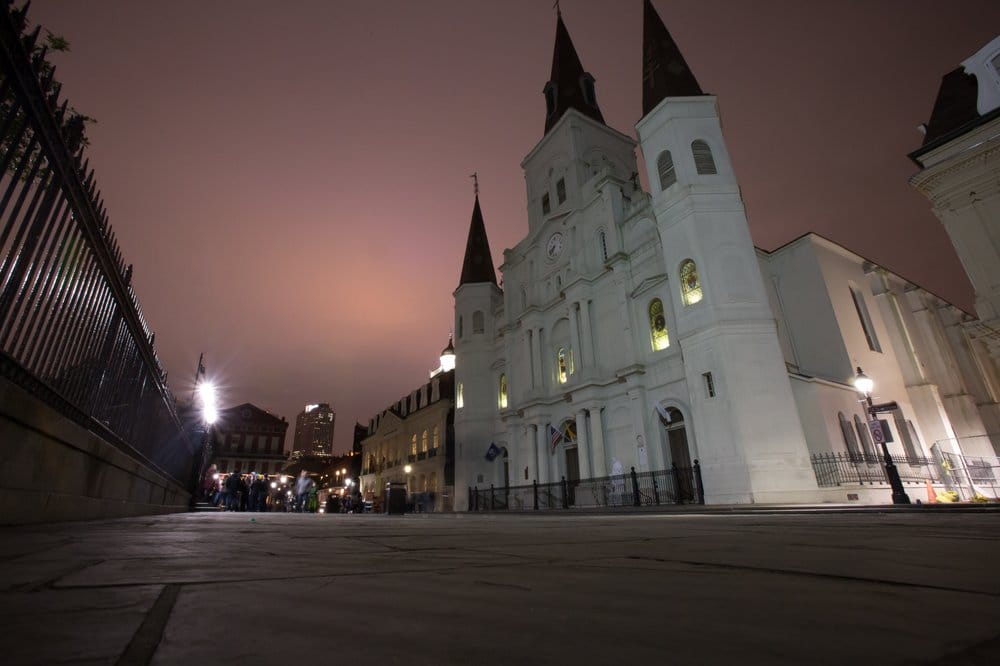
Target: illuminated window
(477, 321)
(459, 400)
(704, 163)
(561, 190)
(502, 401)
(564, 363)
(423, 442)
(437, 437)
(690, 284)
(658, 325)
(413, 445)
(665, 167)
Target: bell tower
(752, 445)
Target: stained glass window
(502, 401)
(690, 284)
(658, 325)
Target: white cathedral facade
(644, 329)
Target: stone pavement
(685, 588)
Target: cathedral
(644, 330)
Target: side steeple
(569, 86)
(478, 264)
(665, 73)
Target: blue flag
(492, 452)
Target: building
(314, 430)
(644, 329)
(412, 441)
(249, 439)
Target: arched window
(564, 364)
(436, 441)
(690, 283)
(658, 325)
(413, 445)
(460, 327)
(602, 240)
(459, 398)
(423, 442)
(477, 321)
(704, 163)
(665, 167)
(502, 396)
(849, 439)
(866, 437)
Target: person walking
(301, 491)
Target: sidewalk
(873, 587)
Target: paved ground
(857, 588)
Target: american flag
(555, 436)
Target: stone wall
(52, 469)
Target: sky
(291, 179)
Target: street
(756, 588)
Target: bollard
(656, 491)
(534, 487)
(493, 499)
(635, 489)
(697, 480)
(470, 499)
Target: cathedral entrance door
(572, 474)
(680, 455)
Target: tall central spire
(569, 86)
(478, 264)
(665, 73)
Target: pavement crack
(141, 648)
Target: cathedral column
(536, 357)
(600, 458)
(574, 339)
(542, 453)
(582, 444)
(588, 335)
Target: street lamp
(864, 385)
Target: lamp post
(864, 385)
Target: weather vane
(475, 182)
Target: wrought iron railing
(71, 329)
(852, 469)
(677, 485)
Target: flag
(492, 452)
(555, 437)
(662, 411)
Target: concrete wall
(52, 469)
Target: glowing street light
(864, 385)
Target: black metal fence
(71, 330)
(677, 485)
(851, 469)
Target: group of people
(243, 492)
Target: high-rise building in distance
(314, 429)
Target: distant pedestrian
(234, 486)
(301, 491)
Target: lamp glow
(407, 469)
(863, 383)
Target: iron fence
(850, 469)
(71, 329)
(677, 485)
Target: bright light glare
(211, 414)
(407, 469)
(284, 478)
(216, 476)
(206, 391)
(863, 383)
(274, 485)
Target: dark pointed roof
(478, 264)
(568, 81)
(665, 73)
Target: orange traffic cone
(931, 494)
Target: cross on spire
(556, 7)
(475, 182)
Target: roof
(665, 73)
(478, 263)
(567, 80)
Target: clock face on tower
(555, 245)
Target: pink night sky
(291, 179)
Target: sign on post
(878, 435)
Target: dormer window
(561, 190)
(550, 98)
(587, 85)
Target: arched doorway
(675, 431)
(571, 458)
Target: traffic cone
(931, 494)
